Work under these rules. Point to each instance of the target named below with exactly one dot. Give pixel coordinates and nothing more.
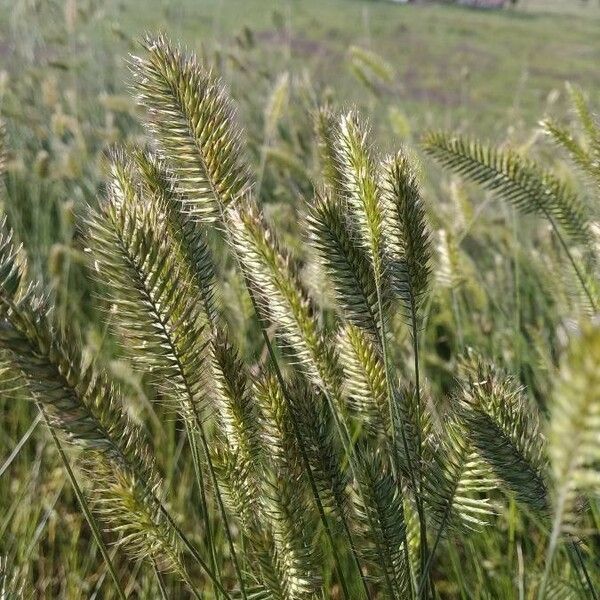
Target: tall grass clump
(327, 465)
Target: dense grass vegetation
(333, 356)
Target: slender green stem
(161, 584)
(393, 418)
(85, 508)
(20, 444)
(190, 548)
(438, 537)
(204, 503)
(420, 508)
(576, 268)
(556, 526)
(221, 505)
(586, 575)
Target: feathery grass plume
(345, 262)
(191, 118)
(277, 431)
(409, 254)
(275, 106)
(237, 457)
(370, 69)
(239, 485)
(450, 272)
(81, 403)
(189, 238)
(514, 178)
(505, 430)
(326, 132)
(380, 513)
(413, 538)
(417, 429)
(295, 554)
(360, 181)
(237, 409)
(243, 489)
(11, 381)
(526, 185)
(283, 474)
(364, 379)
(283, 298)
(588, 120)
(243, 495)
(285, 302)
(574, 428)
(12, 273)
(457, 481)
(150, 290)
(325, 457)
(558, 589)
(586, 153)
(276, 526)
(131, 510)
(408, 258)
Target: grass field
(451, 66)
(503, 281)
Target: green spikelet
(359, 178)
(192, 120)
(585, 153)
(381, 515)
(294, 553)
(189, 238)
(324, 456)
(150, 290)
(345, 262)
(457, 482)
(13, 585)
(416, 426)
(236, 407)
(131, 509)
(277, 432)
(513, 178)
(370, 69)
(575, 428)
(505, 431)
(237, 480)
(408, 254)
(364, 379)
(283, 297)
(268, 495)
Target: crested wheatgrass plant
(321, 470)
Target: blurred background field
(65, 100)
